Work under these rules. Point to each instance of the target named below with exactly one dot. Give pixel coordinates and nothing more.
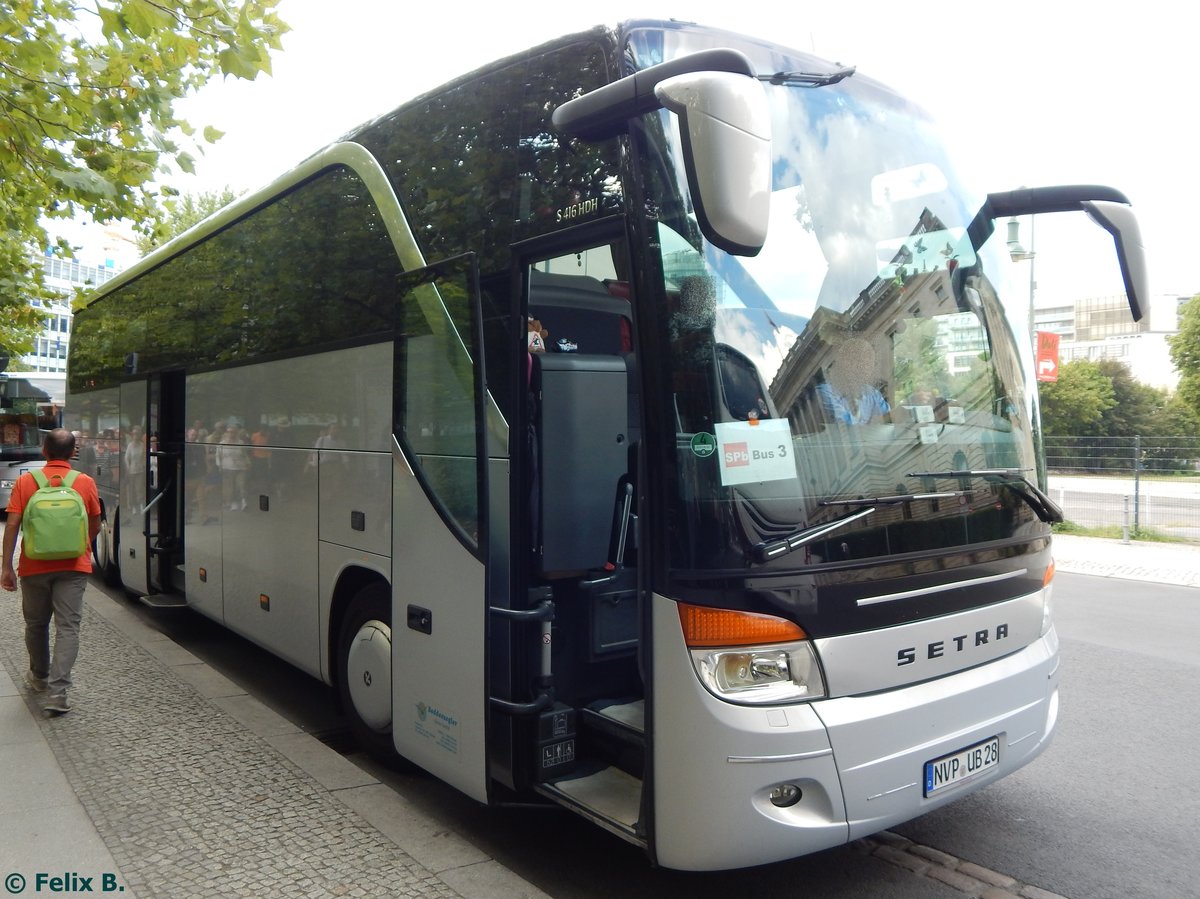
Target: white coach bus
(638, 424)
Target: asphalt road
(1107, 811)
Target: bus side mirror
(1119, 221)
(726, 125)
(1108, 208)
(725, 122)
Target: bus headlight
(748, 658)
(784, 672)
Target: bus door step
(618, 714)
(614, 731)
(609, 796)
(163, 601)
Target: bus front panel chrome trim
(768, 759)
(941, 588)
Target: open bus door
(578, 713)
(438, 637)
(164, 512)
(151, 517)
(131, 547)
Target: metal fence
(1140, 484)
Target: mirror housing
(726, 126)
(1119, 221)
(1108, 208)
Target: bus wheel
(365, 670)
(104, 550)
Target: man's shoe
(57, 704)
(35, 683)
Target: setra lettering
(937, 649)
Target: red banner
(1047, 356)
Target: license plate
(959, 767)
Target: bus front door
(150, 510)
(131, 449)
(439, 531)
(164, 513)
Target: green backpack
(54, 524)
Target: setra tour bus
(637, 424)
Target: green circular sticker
(704, 445)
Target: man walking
(51, 588)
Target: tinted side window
(479, 166)
(314, 267)
(436, 405)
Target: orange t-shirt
(26, 487)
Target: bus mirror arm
(606, 111)
(1108, 208)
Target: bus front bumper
(858, 763)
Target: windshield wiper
(764, 552)
(890, 500)
(1013, 478)
(810, 79)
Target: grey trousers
(57, 594)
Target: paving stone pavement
(191, 800)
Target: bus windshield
(857, 389)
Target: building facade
(1099, 328)
(64, 276)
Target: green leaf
(112, 23)
(90, 91)
(144, 19)
(234, 62)
(212, 135)
(101, 161)
(83, 182)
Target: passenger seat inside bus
(582, 424)
(584, 459)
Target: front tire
(104, 551)
(364, 660)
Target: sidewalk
(1162, 563)
(167, 779)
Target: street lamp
(1018, 253)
